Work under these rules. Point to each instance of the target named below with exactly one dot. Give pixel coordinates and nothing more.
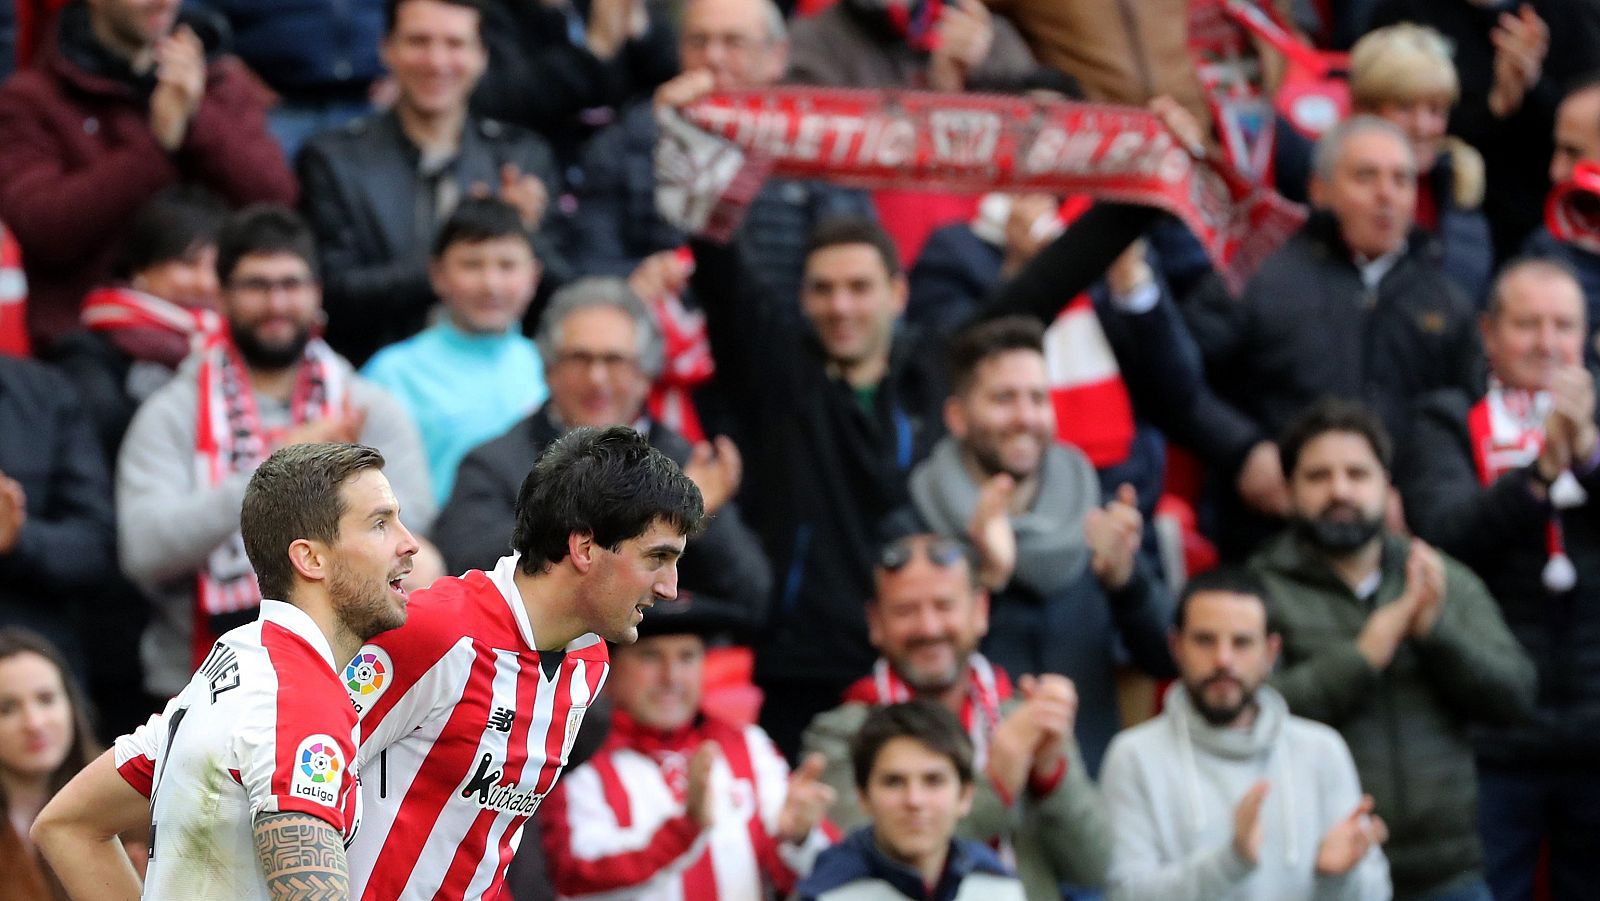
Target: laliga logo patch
(367, 676)
(319, 770)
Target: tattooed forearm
(302, 857)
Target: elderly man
(1354, 306)
(1033, 791)
(742, 44)
(377, 190)
(601, 349)
(678, 803)
(1395, 645)
(1505, 480)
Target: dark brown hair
(977, 343)
(293, 495)
(930, 724)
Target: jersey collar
(300, 623)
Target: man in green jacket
(1395, 645)
(1033, 790)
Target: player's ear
(309, 559)
(581, 549)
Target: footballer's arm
(77, 833)
(302, 857)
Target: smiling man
(1395, 645)
(1068, 584)
(189, 453)
(377, 190)
(469, 376)
(835, 410)
(1481, 481)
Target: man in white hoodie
(1225, 795)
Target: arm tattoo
(302, 857)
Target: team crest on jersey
(319, 770)
(367, 676)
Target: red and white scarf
(149, 327)
(988, 687)
(1507, 432)
(687, 362)
(229, 438)
(713, 156)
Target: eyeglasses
(584, 360)
(941, 552)
(292, 284)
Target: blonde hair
(1400, 64)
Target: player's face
(595, 379)
(435, 55)
(852, 301)
(371, 556)
(657, 680)
(914, 798)
(486, 285)
(927, 620)
(1223, 653)
(273, 303)
(1005, 419)
(625, 582)
(35, 717)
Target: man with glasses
(1033, 791)
(194, 444)
(1069, 586)
(601, 349)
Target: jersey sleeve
(296, 743)
(137, 752)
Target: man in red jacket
(130, 97)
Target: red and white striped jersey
(617, 825)
(263, 726)
(463, 734)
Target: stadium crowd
(1039, 560)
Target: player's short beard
(363, 612)
(1338, 536)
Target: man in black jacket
(834, 410)
(377, 190)
(1504, 480)
(1353, 306)
(601, 349)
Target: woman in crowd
(1404, 73)
(44, 740)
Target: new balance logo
(492, 795)
(500, 720)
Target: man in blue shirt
(470, 375)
